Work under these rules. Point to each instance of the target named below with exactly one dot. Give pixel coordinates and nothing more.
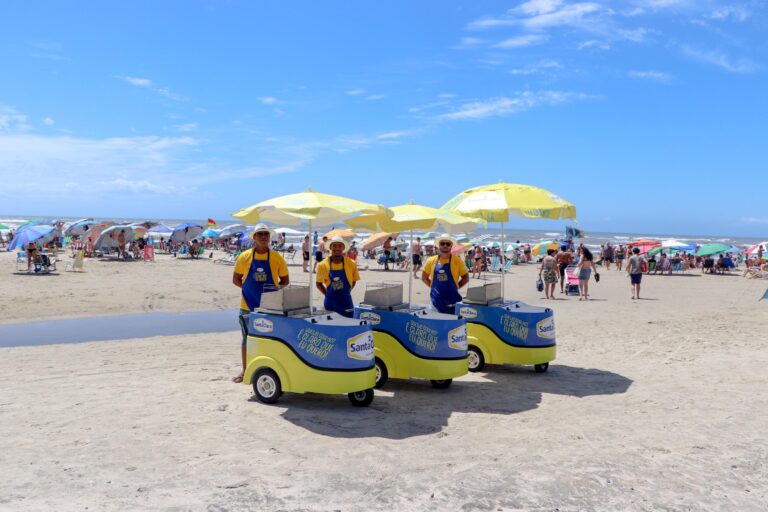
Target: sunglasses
(446, 244)
(262, 233)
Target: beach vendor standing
(445, 274)
(336, 276)
(258, 270)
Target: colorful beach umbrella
(377, 239)
(36, 233)
(160, 228)
(644, 245)
(753, 250)
(712, 248)
(497, 202)
(541, 248)
(186, 232)
(209, 233)
(3, 226)
(79, 227)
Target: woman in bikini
(584, 271)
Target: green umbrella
(713, 248)
(3, 226)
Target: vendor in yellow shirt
(336, 276)
(444, 274)
(258, 270)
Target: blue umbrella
(30, 234)
(160, 228)
(209, 233)
(186, 232)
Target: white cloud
(755, 220)
(375, 97)
(735, 12)
(187, 127)
(540, 67)
(721, 60)
(593, 43)
(355, 92)
(446, 95)
(47, 50)
(268, 100)
(139, 82)
(658, 76)
(636, 35)
(48, 121)
(12, 121)
(504, 106)
(522, 41)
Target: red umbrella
(644, 245)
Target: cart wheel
(475, 359)
(381, 373)
(266, 386)
(541, 368)
(361, 398)
(441, 384)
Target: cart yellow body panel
(401, 364)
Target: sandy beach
(657, 404)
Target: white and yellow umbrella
(411, 216)
(500, 201)
(309, 206)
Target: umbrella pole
(410, 274)
(502, 262)
(311, 268)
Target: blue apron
(444, 292)
(259, 280)
(338, 294)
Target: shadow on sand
(507, 390)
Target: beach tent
(186, 232)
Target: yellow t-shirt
(458, 268)
(324, 271)
(276, 264)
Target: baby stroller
(571, 281)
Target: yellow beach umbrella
(346, 234)
(497, 202)
(309, 206)
(411, 216)
(376, 240)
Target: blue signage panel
(320, 345)
(515, 323)
(423, 336)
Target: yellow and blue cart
(309, 354)
(508, 332)
(415, 342)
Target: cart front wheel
(266, 386)
(441, 384)
(541, 368)
(381, 373)
(361, 398)
(475, 359)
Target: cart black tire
(381, 373)
(266, 386)
(441, 384)
(475, 359)
(541, 368)
(361, 398)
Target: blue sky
(649, 115)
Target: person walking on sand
(635, 271)
(444, 274)
(416, 255)
(563, 259)
(549, 270)
(387, 252)
(620, 254)
(258, 270)
(320, 253)
(584, 271)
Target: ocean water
(490, 234)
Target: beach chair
(149, 253)
(507, 266)
(495, 265)
(21, 261)
(76, 265)
(571, 281)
